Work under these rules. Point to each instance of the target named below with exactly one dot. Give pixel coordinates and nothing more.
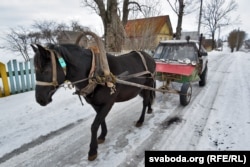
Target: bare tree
(216, 14)
(114, 19)
(76, 26)
(18, 41)
(147, 8)
(181, 8)
(34, 37)
(49, 29)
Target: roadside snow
(229, 121)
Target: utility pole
(199, 24)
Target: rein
(93, 80)
(62, 63)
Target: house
(208, 43)
(145, 34)
(70, 37)
(192, 34)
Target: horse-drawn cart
(181, 61)
(178, 61)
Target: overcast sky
(15, 13)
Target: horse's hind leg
(148, 99)
(150, 110)
(145, 94)
(141, 119)
(151, 100)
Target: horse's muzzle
(43, 101)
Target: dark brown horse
(58, 63)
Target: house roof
(193, 35)
(135, 28)
(69, 34)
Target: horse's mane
(65, 50)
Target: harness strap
(135, 75)
(143, 61)
(62, 63)
(92, 84)
(54, 74)
(145, 64)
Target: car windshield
(176, 52)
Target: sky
(58, 134)
(15, 13)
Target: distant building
(70, 37)
(145, 34)
(247, 44)
(208, 43)
(193, 35)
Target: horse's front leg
(99, 120)
(104, 132)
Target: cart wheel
(185, 94)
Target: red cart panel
(186, 70)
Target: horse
(56, 64)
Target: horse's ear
(43, 51)
(34, 48)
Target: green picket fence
(21, 76)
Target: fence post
(3, 74)
(32, 73)
(11, 78)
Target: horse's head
(49, 73)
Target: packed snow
(217, 118)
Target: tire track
(179, 133)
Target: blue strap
(62, 62)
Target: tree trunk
(180, 16)
(213, 41)
(114, 32)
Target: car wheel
(185, 94)
(203, 77)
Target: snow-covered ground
(218, 118)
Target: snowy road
(217, 118)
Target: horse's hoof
(100, 141)
(150, 111)
(92, 157)
(138, 124)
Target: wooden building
(145, 34)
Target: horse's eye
(45, 71)
(42, 71)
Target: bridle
(62, 63)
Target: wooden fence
(17, 78)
